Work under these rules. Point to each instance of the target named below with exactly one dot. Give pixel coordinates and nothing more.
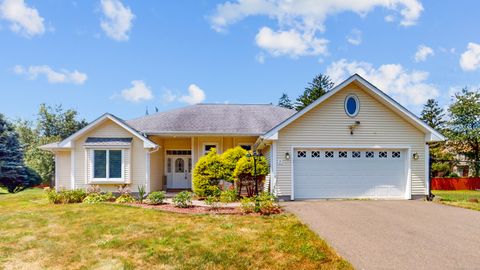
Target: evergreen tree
(285, 102)
(433, 115)
(320, 85)
(14, 175)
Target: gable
(430, 133)
(328, 120)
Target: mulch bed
(191, 210)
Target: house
(353, 142)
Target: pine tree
(320, 85)
(285, 102)
(14, 175)
(433, 115)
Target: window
(179, 152)
(352, 105)
(208, 147)
(342, 154)
(107, 164)
(396, 154)
(169, 165)
(315, 154)
(302, 154)
(247, 147)
(369, 154)
(382, 154)
(356, 154)
(190, 165)
(179, 165)
(329, 154)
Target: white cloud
(301, 21)
(290, 43)
(470, 59)
(355, 37)
(117, 22)
(138, 92)
(23, 19)
(423, 52)
(389, 18)
(407, 87)
(195, 95)
(61, 76)
(168, 97)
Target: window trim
(107, 167)
(249, 144)
(208, 143)
(357, 110)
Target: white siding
(62, 167)
(328, 125)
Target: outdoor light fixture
(415, 156)
(287, 156)
(353, 127)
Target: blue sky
(122, 56)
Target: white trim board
(433, 135)
(67, 143)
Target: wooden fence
(461, 183)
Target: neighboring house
(353, 142)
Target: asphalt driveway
(396, 234)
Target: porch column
(193, 159)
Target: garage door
(349, 173)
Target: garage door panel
(351, 173)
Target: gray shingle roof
(94, 141)
(254, 119)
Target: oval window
(352, 105)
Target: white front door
(350, 173)
(179, 172)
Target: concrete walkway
(396, 234)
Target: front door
(179, 172)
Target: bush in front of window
(207, 173)
(183, 199)
(65, 196)
(229, 161)
(99, 197)
(155, 197)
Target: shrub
(156, 197)
(124, 190)
(245, 166)
(65, 196)
(213, 202)
(228, 196)
(98, 197)
(247, 205)
(229, 161)
(52, 195)
(125, 198)
(207, 173)
(141, 193)
(264, 203)
(183, 199)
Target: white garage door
(349, 173)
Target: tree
(53, 124)
(464, 126)
(285, 102)
(55, 121)
(433, 115)
(320, 85)
(14, 175)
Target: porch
(171, 166)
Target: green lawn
(37, 235)
(459, 198)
